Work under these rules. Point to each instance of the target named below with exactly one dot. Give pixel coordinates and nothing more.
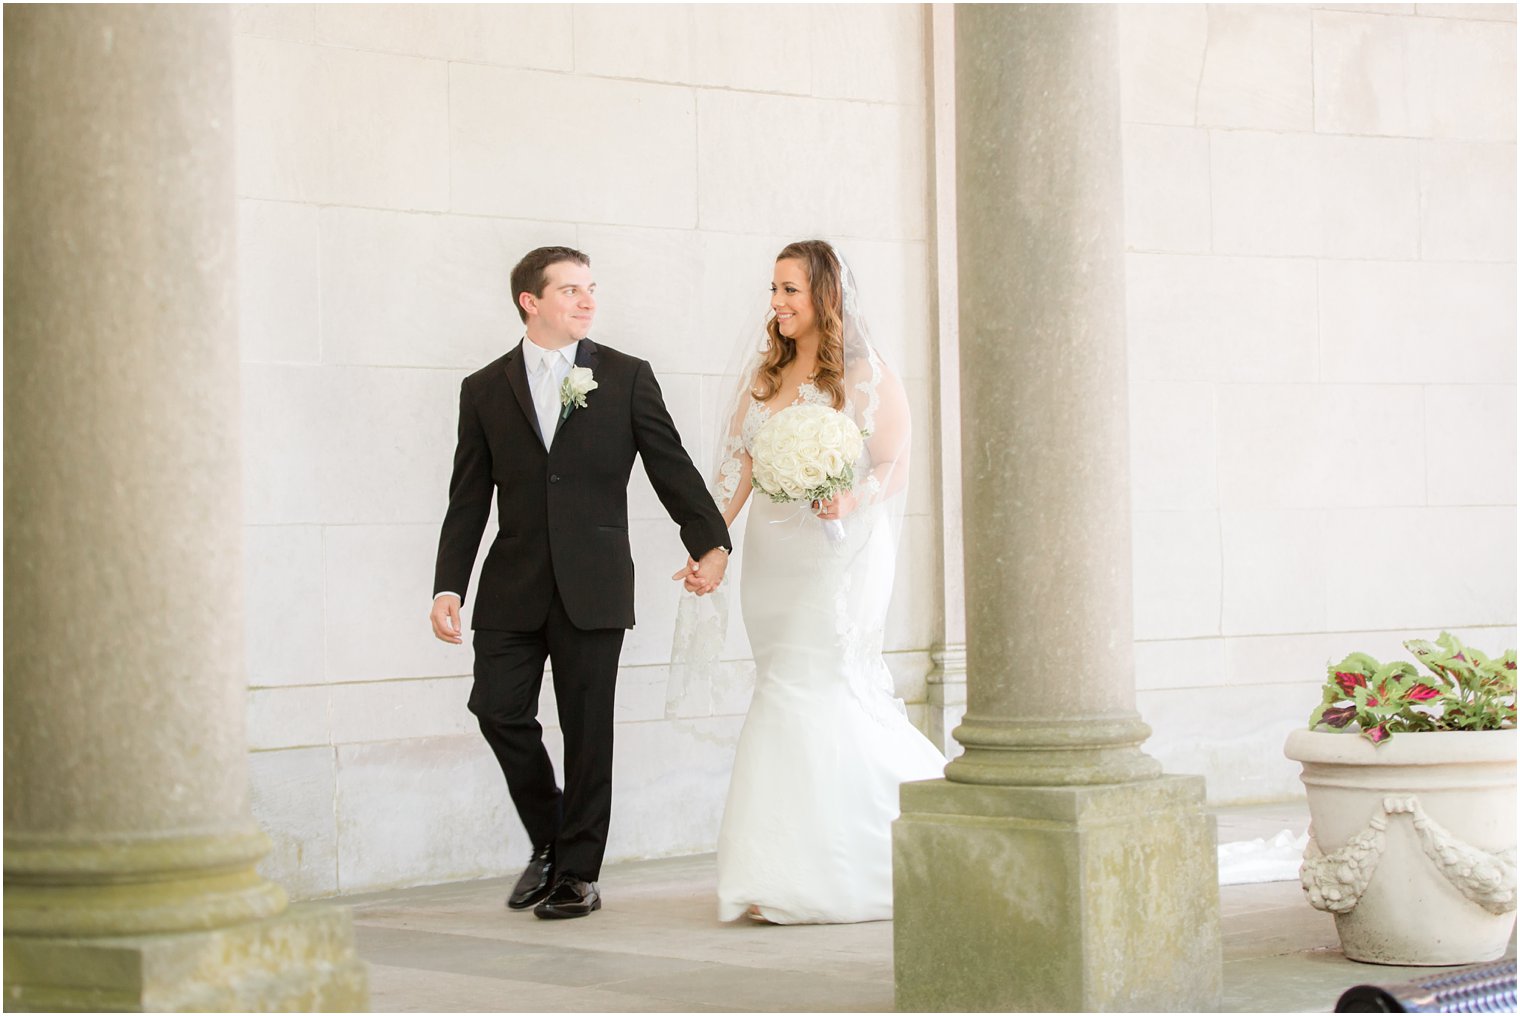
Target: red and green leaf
(1463, 690)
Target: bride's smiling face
(792, 299)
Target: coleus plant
(1463, 690)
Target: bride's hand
(836, 507)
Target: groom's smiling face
(563, 314)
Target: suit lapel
(517, 378)
(585, 356)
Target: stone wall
(1321, 285)
(1321, 223)
(394, 162)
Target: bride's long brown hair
(822, 269)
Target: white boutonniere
(573, 390)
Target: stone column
(1055, 867)
(947, 681)
(130, 852)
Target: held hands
(702, 577)
(836, 507)
(445, 618)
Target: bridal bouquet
(806, 453)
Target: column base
(946, 693)
(1080, 898)
(1099, 749)
(302, 960)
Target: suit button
(553, 477)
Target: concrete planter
(1412, 844)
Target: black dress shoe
(571, 897)
(535, 883)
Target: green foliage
(1463, 690)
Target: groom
(552, 429)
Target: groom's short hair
(529, 275)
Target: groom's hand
(445, 618)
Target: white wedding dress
(806, 833)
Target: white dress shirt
(545, 389)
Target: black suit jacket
(563, 512)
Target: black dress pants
(509, 670)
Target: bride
(806, 833)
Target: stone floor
(657, 946)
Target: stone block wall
(1321, 280)
(1320, 208)
(394, 162)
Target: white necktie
(546, 398)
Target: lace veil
(865, 540)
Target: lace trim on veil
(869, 388)
(696, 648)
(726, 484)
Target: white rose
(577, 385)
(764, 476)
